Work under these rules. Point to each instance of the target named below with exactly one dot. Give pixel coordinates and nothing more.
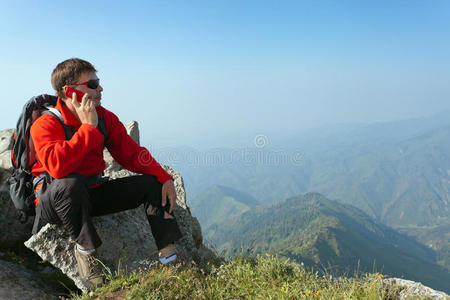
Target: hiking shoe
(89, 267)
(167, 259)
(167, 254)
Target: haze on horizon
(192, 71)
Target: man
(69, 185)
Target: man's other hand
(85, 110)
(168, 190)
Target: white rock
(413, 288)
(133, 131)
(5, 160)
(6, 139)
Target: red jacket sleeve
(129, 154)
(58, 156)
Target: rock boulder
(18, 282)
(6, 139)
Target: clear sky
(188, 71)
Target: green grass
(260, 277)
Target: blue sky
(192, 71)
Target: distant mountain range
(219, 203)
(323, 233)
(404, 183)
(396, 172)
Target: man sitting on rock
(69, 182)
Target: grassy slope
(261, 277)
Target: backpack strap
(68, 130)
(102, 127)
(56, 113)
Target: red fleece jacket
(83, 153)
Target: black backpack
(23, 154)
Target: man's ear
(64, 88)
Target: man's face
(93, 94)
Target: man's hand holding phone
(85, 109)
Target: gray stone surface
(126, 236)
(413, 289)
(6, 139)
(133, 131)
(197, 232)
(5, 160)
(4, 175)
(12, 232)
(113, 168)
(17, 282)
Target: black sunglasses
(92, 84)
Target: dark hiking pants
(69, 202)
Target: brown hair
(68, 72)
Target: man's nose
(100, 88)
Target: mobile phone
(70, 91)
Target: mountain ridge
(318, 231)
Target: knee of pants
(153, 190)
(151, 184)
(150, 181)
(73, 188)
